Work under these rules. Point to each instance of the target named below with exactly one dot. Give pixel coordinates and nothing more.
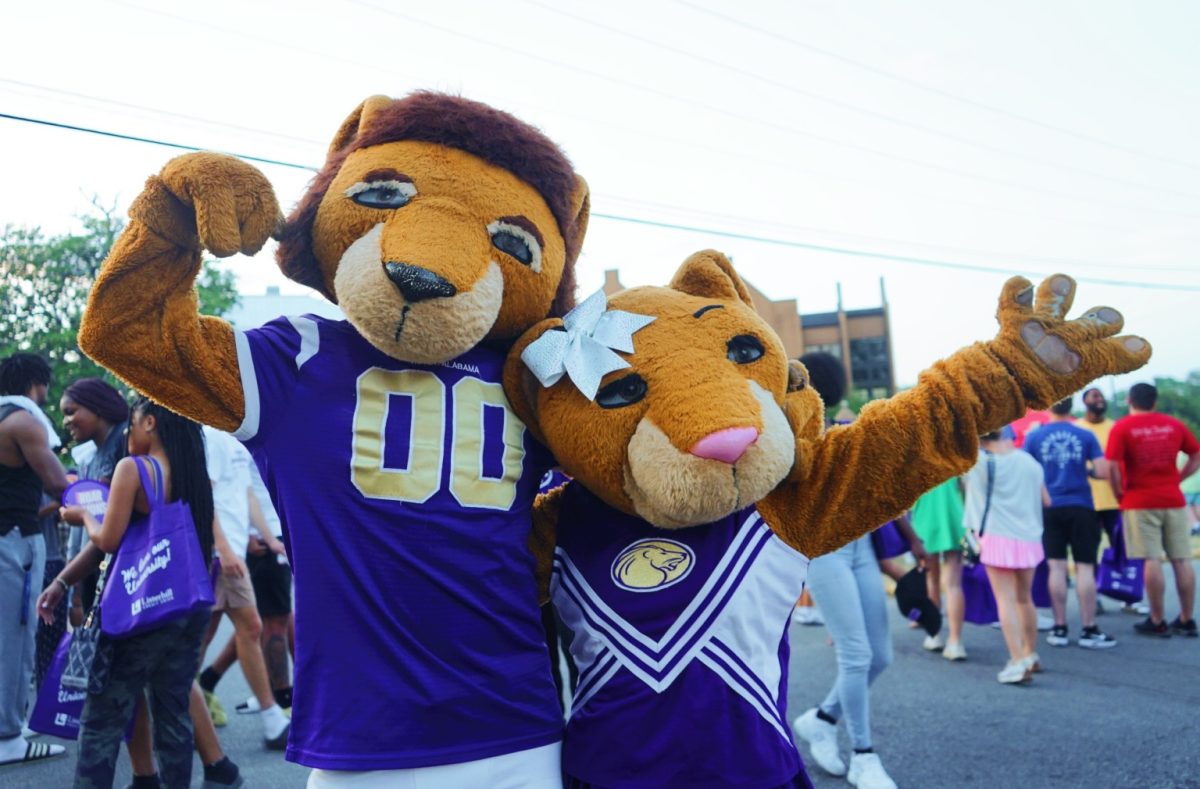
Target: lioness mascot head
(701, 423)
(438, 223)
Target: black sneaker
(1151, 628)
(1093, 638)
(1189, 630)
(1057, 637)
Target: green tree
(44, 285)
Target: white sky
(817, 122)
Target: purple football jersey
(404, 491)
(680, 637)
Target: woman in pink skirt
(1003, 509)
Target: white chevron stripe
(723, 670)
(578, 703)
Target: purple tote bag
(888, 541)
(977, 593)
(157, 574)
(1118, 576)
(57, 709)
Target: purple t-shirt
(1064, 451)
(404, 491)
(680, 637)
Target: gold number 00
(421, 476)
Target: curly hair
(21, 371)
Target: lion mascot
(704, 481)
(443, 228)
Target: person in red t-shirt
(1146, 482)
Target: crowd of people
(142, 688)
(1045, 489)
(1042, 493)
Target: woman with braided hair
(162, 661)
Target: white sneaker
(1140, 608)
(1045, 623)
(934, 643)
(249, 706)
(954, 651)
(1015, 673)
(821, 737)
(807, 615)
(1033, 663)
(866, 772)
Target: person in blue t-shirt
(1064, 451)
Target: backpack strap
(991, 476)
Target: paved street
(1127, 717)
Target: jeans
(22, 561)
(848, 587)
(164, 661)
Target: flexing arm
(142, 320)
(858, 476)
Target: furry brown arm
(861, 475)
(544, 538)
(142, 320)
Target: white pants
(536, 768)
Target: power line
(861, 253)
(742, 118)
(162, 112)
(664, 225)
(864, 111)
(1091, 138)
(1057, 261)
(909, 193)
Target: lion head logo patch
(650, 565)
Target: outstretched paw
(1067, 353)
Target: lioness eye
(743, 349)
(382, 194)
(518, 238)
(622, 392)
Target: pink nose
(725, 445)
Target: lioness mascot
(443, 228)
(704, 482)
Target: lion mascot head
(438, 223)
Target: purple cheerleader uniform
(681, 641)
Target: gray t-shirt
(1016, 506)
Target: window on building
(832, 348)
(869, 366)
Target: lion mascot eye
(743, 349)
(391, 194)
(512, 244)
(622, 392)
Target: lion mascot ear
(709, 273)
(520, 385)
(356, 121)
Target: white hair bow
(584, 351)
